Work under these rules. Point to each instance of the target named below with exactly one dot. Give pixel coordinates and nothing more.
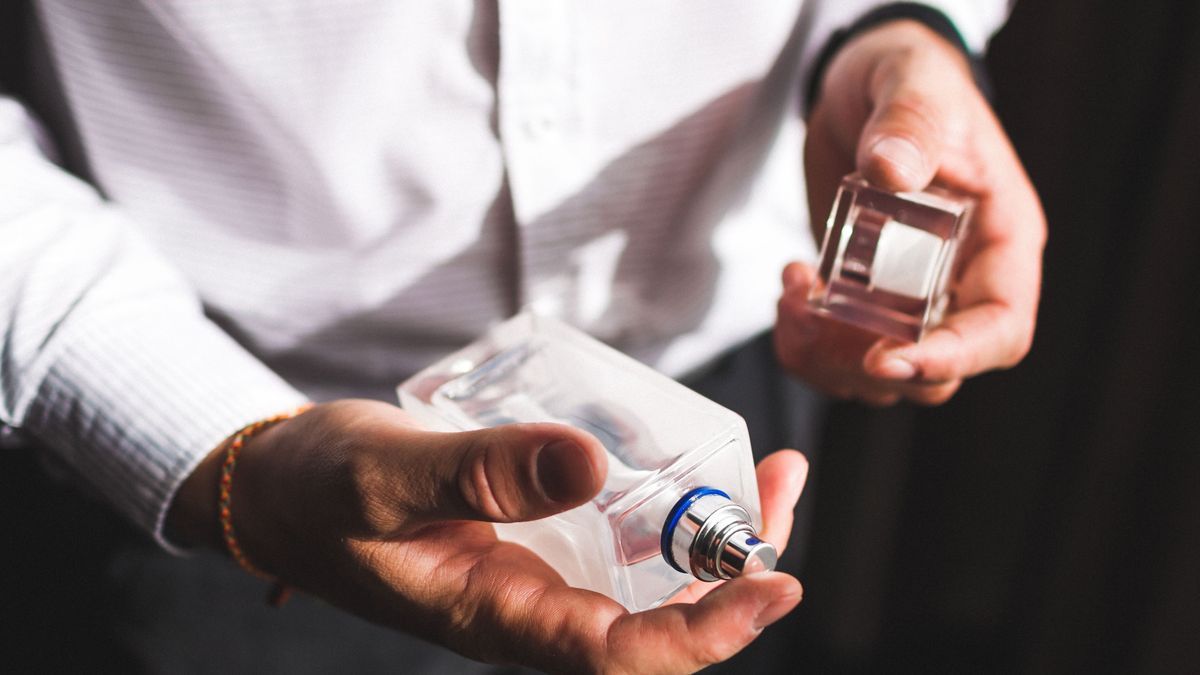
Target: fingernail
(902, 153)
(564, 472)
(896, 368)
(774, 611)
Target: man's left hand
(898, 103)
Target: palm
(463, 587)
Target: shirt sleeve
(976, 21)
(107, 358)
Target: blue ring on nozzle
(676, 513)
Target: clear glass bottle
(887, 258)
(681, 499)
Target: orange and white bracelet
(280, 592)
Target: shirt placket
(539, 130)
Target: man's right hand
(354, 503)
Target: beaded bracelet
(279, 592)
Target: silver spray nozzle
(712, 537)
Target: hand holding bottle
(898, 103)
(355, 504)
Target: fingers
(848, 362)
(561, 629)
(997, 295)
(454, 583)
(781, 478)
(919, 129)
(509, 473)
(967, 343)
(681, 638)
(923, 120)
(828, 354)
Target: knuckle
(912, 113)
(477, 484)
(893, 67)
(710, 653)
(793, 308)
(705, 653)
(359, 480)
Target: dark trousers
(85, 592)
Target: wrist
(926, 25)
(897, 58)
(192, 520)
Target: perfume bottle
(680, 502)
(888, 258)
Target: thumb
(900, 148)
(509, 473)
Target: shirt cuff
(966, 24)
(133, 403)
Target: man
(350, 190)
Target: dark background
(1045, 520)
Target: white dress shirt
(351, 189)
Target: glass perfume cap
(888, 259)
